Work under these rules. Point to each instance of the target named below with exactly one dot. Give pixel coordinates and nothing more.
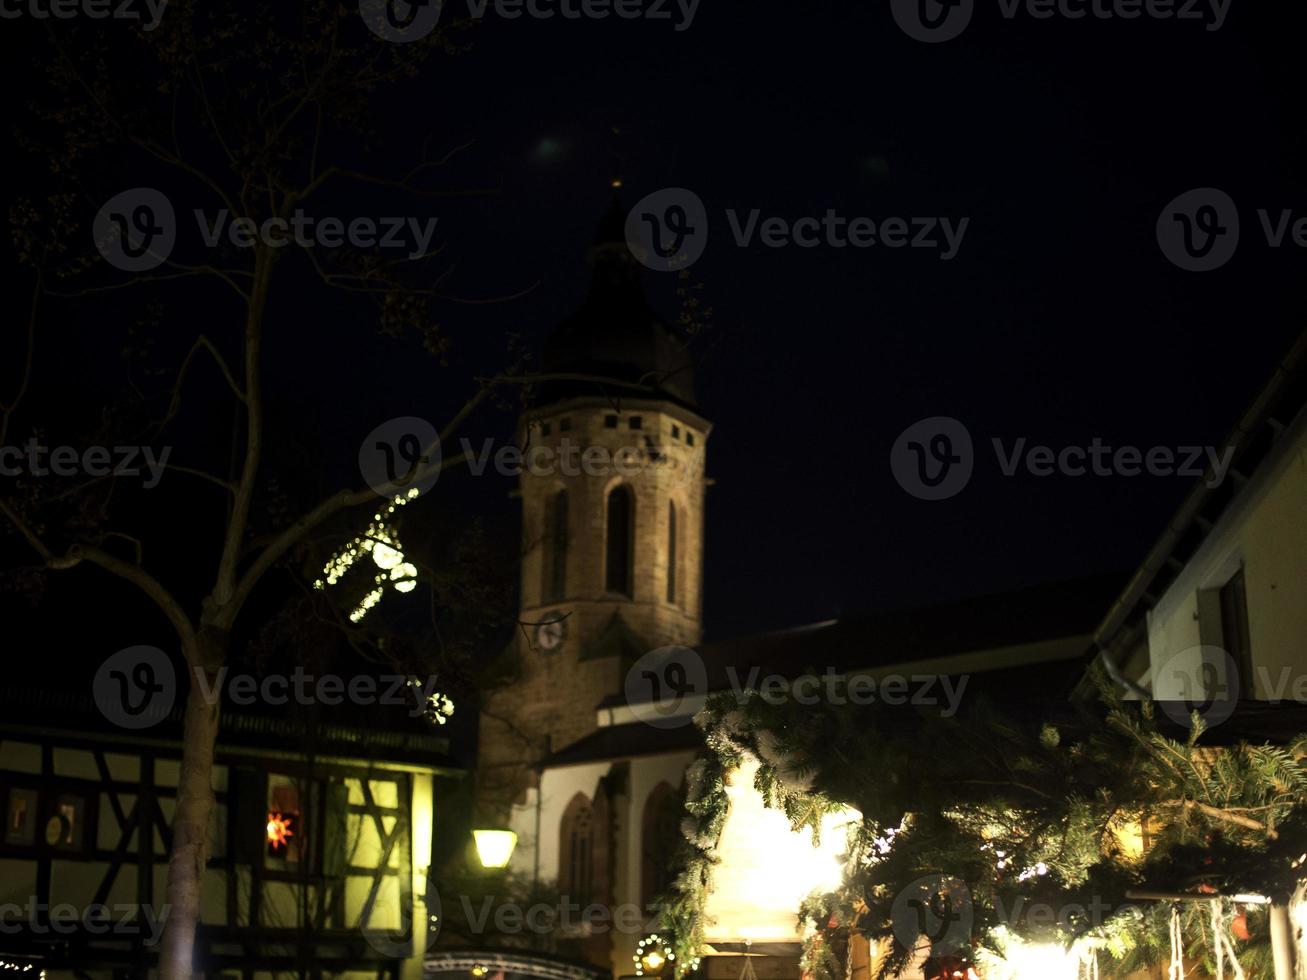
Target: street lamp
(494, 847)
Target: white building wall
(1265, 532)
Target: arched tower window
(619, 573)
(660, 833)
(671, 552)
(576, 851)
(555, 584)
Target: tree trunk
(190, 825)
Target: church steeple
(616, 334)
(612, 517)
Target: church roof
(615, 334)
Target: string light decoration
(8, 966)
(438, 708)
(381, 541)
(652, 953)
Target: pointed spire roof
(616, 334)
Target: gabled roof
(1253, 440)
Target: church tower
(612, 523)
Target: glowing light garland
(382, 542)
(654, 953)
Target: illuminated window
(20, 821)
(65, 828)
(621, 528)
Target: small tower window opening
(676, 431)
(545, 428)
(556, 548)
(620, 544)
(565, 425)
(689, 438)
(636, 422)
(671, 552)
(610, 421)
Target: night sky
(1058, 320)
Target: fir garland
(1023, 811)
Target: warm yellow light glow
(385, 556)
(767, 869)
(1028, 961)
(494, 847)
(653, 961)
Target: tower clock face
(550, 635)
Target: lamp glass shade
(494, 847)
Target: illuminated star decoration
(279, 830)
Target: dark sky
(1059, 319)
